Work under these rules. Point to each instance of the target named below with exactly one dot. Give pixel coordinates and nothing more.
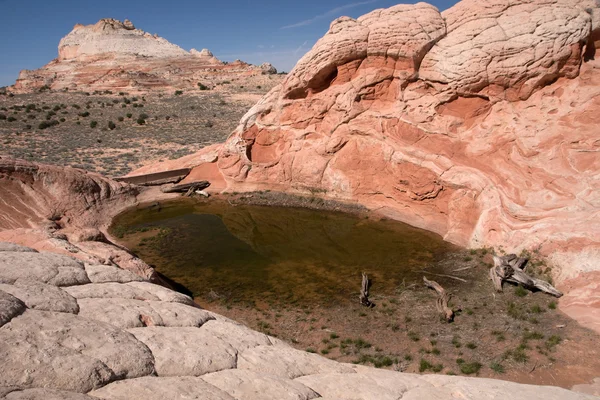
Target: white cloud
(332, 12)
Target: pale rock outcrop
(112, 36)
(98, 273)
(45, 394)
(287, 362)
(54, 269)
(186, 351)
(64, 351)
(42, 297)
(137, 290)
(10, 307)
(248, 385)
(116, 56)
(4, 246)
(152, 388)
(129, 313)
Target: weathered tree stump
(364, 291)
(510, 268)
(442, 300)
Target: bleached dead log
(442, 300)
(187, 187)
(510, 269)
(364, 291)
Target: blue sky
(276, 31)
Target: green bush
(141, 121)
(84, 114)
(2, 117)
(178, 92)
(93, 124)
(121, 119)
(111, 125)
(202, 86)
(143, 116)
(47, 124)
(129, 115)
(11, 119)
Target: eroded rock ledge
(73, 330)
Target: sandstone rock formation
(478, 123)
(63, 210)
(69, 354)
(114, 55)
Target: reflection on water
(277, 255)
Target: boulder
(54, 269)
(186, 351)
(99, 273)
(153, 388)
(66, 352)
(4, 246)
(129, 313)
(287, 362)
(248, 385)
(42, 297)
(10, 307)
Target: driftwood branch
(442, 301)
(186, 188)
(364, 291)
(510, 268)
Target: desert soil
(82, 135)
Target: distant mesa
(115, 55)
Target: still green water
(279, 256)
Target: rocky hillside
(114, 55)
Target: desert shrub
(27, 127)
(468, 368)
(497, 367)
(47, 124)
(2, 117)
(141, 121)
(121, 119)
(62, 120)
(76, 106)
(93, 124)
(202, 86)
(129, 115)
(84, 114)
(208, 124)
(11, 119)
(178, 92)
(56, 108)
(111, 125)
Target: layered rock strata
(114, 55)
(479, 123)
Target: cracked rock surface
(73, 340)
